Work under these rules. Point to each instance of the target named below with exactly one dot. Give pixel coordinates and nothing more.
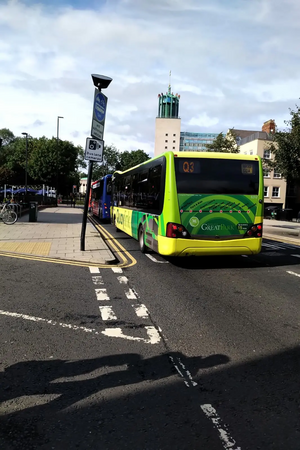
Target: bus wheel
(142, 245)
(115, 222)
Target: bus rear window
(216, 176)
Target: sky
(235, 64)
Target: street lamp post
(26, 160)
(100, 82)
(57, 140)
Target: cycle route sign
(99, 112)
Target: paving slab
(55, 234)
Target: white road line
(155, 260)
(97, 279)
(183, 372)
(94, 270)
(141, 311)
(130, 294)
(153, 335)
(293, 273)
(107, 313)
(101, 294)
(117, 270)
(227, 441)
(123, 280)
(49, 322)
(152, 332)
(296, 256)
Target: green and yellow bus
(191, 203)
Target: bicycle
(8, 215)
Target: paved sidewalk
(56, 235)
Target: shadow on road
(53, 418)
(258, 400)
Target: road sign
(99, 112)
(94, 150)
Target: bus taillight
(255, 231)
(175, 230)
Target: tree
(224, 144)
(285, 148)
(50, 162)
(133, 158)
(111, 162)
(6, 136)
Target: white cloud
(235, 64)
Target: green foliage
(49, 161)
(224, 144)
(114, 160)
(285, 148)
(133, 158)
(7, 136)
(111, 162)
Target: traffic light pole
(86, 206)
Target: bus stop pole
(86, 206)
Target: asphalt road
(167, 354)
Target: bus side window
(143, 190)
(135, 187)
(154, 195)
(128, 193)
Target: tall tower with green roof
(167, 124)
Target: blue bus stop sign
(99, 111)
(100, 107)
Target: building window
(166, 146)
(166, 134)
(276, 174)
(166, 140)
(266, 173)
(266, 191)
(174, 142)
(173, 148)
(174, 134)
(267, 153)
(275, 192)
(251, 152)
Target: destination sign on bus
(189, 166)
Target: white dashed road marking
(97, 279)
(153, 335)
(141, 311)
(94, 269)
(101, 294)
(107, 313)
(130, 294)
(122, 280)
(227, 441)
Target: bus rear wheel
(142, 244)
(115, 223)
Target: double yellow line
(67, 262)
(125, 258)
